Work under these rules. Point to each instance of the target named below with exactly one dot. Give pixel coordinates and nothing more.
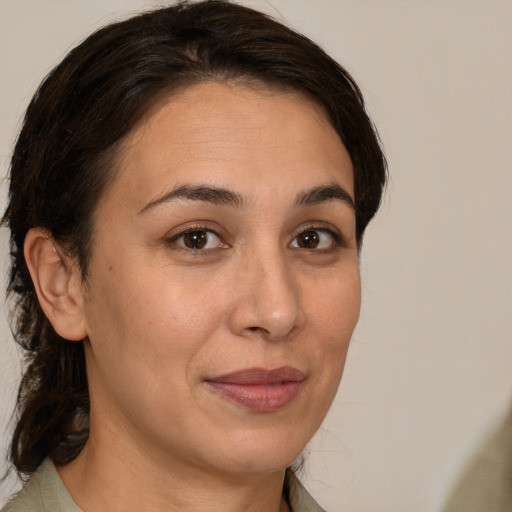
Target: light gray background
(429, 369)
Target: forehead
(222, 131)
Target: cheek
(336, 306)
(334, 315)
(151, 318)
(142, 343)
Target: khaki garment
(486, 484)
(45, 492)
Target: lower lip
(259, 397)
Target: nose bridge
(270, 301)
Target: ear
(58, 283)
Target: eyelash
(337, 238)
(194, 229)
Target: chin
(260, 456)
(259, 465)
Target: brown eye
(195, 239)
(198, 239)
(308, 240)
(316, 239)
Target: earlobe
(58, 284)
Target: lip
(260, 389)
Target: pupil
(195, 239)
(309, 240)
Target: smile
(260, 389)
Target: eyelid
(195, 225)
(339, 240)
(175, 234)
(170, 239)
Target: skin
(161, 318)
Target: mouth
(260, 389)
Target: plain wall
(429, 369)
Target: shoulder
(44, 492)
(29, 498)
(298, 497)
(485, 484)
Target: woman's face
(223, 283)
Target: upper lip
(254, 376)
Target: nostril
(257, 329)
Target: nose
(267, 300)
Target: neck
(114, 474)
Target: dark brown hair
(61, 166)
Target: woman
(188, 197)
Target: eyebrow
(324, 193)
(215, 195)
(226, 197)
